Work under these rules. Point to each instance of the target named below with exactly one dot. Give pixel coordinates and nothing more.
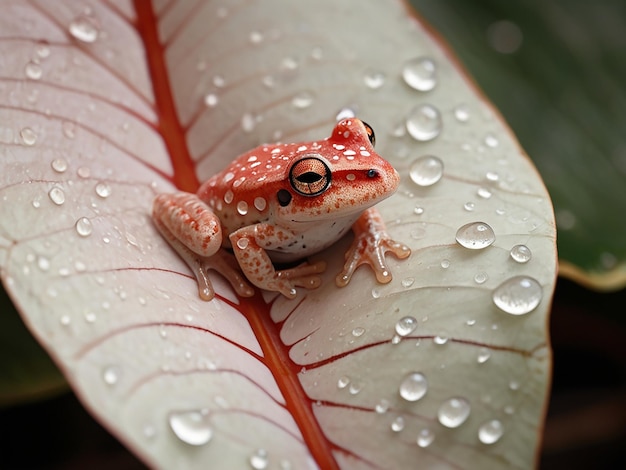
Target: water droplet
(83, 227)
(481, 277)
(407, 281)
(490, 432)
(111, 375)
(343, 381)
(518, 295)
(84, 28)
(83, 172)
(453, 412)
(521, 253)
(191, 427)
(43, 49)
(382, 406)
(397, 424)
(211, 100)
(424, 123)
(69, 129)
(413, 387)
(355, 388)
(396, 339)
(469, 206)
(374, 79)
(59, 165)
(514, 385)
(90, 317)
(259, 460)
(375, 293)
(491, 141)
(358, 331)
(255, 37)
(475, 235)
(426, 170)
(418, 210)
(483, 355)
(425, 437)
(103, 190)
(33, 71)
(445, 263)
(420, 73)
(43, 263)
(242, 207)
(302, 100)
(28, 136)
(461, 113)
(65, 320)
(406, 325)
(57, 196)
(440, 340)
(483, 193)
(248, 122)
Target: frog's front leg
(249, 245)
(371, 243)
(195, 232)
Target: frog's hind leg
(195, 233)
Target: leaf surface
(103, 107)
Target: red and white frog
(281, 203)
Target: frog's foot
(370, 245)
(225, 264)
(303, 275)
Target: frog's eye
(370, 133)
(309, 176)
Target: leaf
(561, 91)
(91, 132)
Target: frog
(258, 221)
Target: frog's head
(340, 176)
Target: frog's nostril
(372, 173)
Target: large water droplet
(57, 196)
(83, 227)
(490, 432)
(84, 28)
(111, 375)
(518, 295)
(475, 235)
(191, 427)
(426, 170)
(420, 73)
(453, 412)
(103, 190)
(425, 437)
(413, 387)
(406, 325)
(521, 253)
(59, 165)
(259, 460)
(424, 122)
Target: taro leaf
(92, 130)
(560, 86)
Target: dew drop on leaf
(518, 295)
(445, 263)
(483, 355)
(397, 424)
(453, 412)
(33, 71)
(28, 136)
(521, 253)
(469, 206)
(211, 100)
(426, 170)
(480, 277)
(302, 100)
(343, 381)
(57, 196)
(405, 326)
(358, 331)
(111, 375)
(84, 28)
(382, 406)
(83, 227)
(374, 79)
(355, 388)
(413, 387)
(420, 73)
(407, 281)
(483, 193)
(103, 190)
(191, 427)
(475, 236)
(424, 123)
(440, 340)
(59, 165)
(425, 437)
(259, 459)
(490, 432)
(491, 141)
(461, 113)
(248, 122)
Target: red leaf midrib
(169, 125)
(276, 355)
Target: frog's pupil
(284, 197)
(309, 177)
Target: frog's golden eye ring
(370, 133)
(310, 176)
